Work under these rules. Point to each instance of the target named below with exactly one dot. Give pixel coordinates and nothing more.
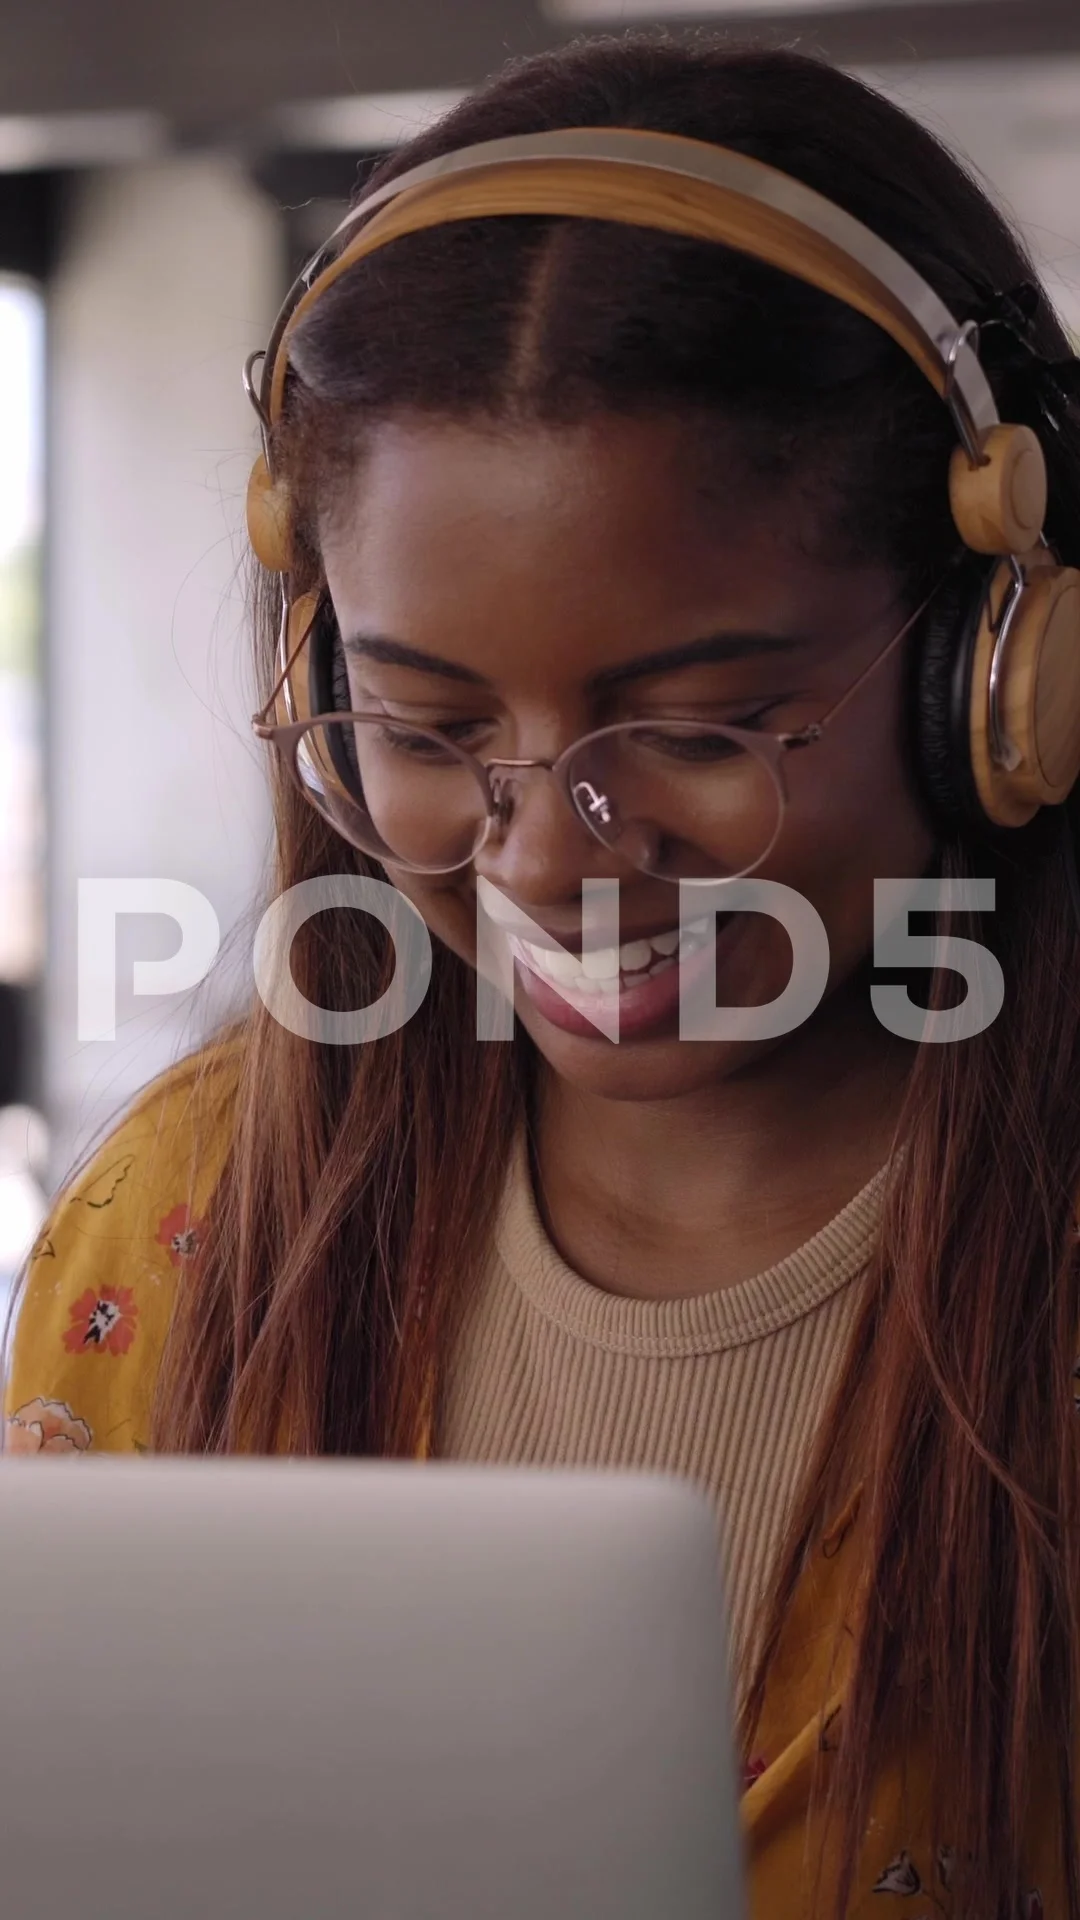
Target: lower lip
(649, 1008)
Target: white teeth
(561, 966)
(602, 965)
(535, 957)
(550, 961)
(588, 974)
(634, 955)
(692, 938)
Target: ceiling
(213, 68)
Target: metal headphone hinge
(1002, 751)
(255, 398)
(966, 335)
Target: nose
(540, 851)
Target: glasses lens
(680, 800)
(394, 792)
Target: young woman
(602, 495)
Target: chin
(746, 966)
(644, 1070)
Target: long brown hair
(356, 1204)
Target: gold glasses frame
(496, 777)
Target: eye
(421, 746)
(682, 743)
(691, 714)
(681, 740)
(751, 721)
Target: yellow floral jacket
(90, 1326)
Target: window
(22, 890)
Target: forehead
(568, 548)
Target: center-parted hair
(356, 1207)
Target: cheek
(449, 912)
(855, 816)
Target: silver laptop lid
(311, 1690)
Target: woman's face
(521, 587)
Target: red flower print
(181, 1234)
(102, 1323)
(45, 1426)
(753, 1770)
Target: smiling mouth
(586, 976)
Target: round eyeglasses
(679, 799)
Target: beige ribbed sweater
(725, 1388)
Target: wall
(1017, 123)
(169, 276)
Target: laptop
(335, 1690)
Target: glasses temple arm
(813, 732)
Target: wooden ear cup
(1000, 507)
(294, 700)
(268, 518)
(1038, 697)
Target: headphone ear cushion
(942, 698)
(328, 677)
(341, 695)
(328, 692)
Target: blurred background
(163, 171)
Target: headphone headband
(1018, 712)
(680, 186)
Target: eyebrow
(394, 653)
(712, 650)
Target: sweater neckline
(731, 1316)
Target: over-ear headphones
(998, 694)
